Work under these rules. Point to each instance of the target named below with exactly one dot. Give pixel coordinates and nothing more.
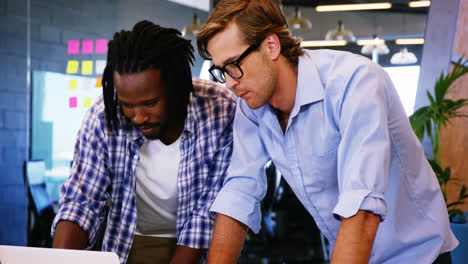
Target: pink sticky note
(101, 46)
(87, 46)
(73, 102)
(73, 46)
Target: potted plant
(429, 120)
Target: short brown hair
(256, 20)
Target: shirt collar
(190, 124)
(309, 86)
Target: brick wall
(13, 98)
(53, 23)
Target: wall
(53, 23)
(454, 136)
(164, 13)
(13, 107)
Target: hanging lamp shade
(378, 46)
(340, 33)
(403, 57)
(192, 29)
(298, 22)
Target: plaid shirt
(104, 168)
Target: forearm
(356, 238)
(186, 255)
(69, 235)
(228, 237)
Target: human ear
(273, 46)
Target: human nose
(231, 82)
(140, 117)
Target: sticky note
(73, 102)
(72, 66)
(73, 84)
(98, 82)
(87, 46)
(73, 46)
(100, 66)
(87, 102)
(87, 67)
(101, 46)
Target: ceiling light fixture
(375, 47)
(403, 57)
(323, 43)
(340, 33)
(192, 29)
(297, 21)
(374, 41)
(409, 41)
(353, 7)
(414, 4)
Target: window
(405, 79)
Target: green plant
(429, 120)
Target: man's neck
(173, 132)
(285, 93)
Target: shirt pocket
(317, 140)
(319, 171)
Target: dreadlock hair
(149, 46)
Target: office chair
(41, 209)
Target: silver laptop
(34, 255)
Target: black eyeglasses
(232, 68)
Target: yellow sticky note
(87, 102)
(87, 67)
(72, 66)
(98, 82)
(73, 84)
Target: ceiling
(397, 5)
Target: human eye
(151, 103)
(126, 105)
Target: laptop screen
(35, 255)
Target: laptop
(35, 255)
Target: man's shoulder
(208, 90)
(95, 117)
(96, 113)
(337, 57)
(211, 103)
(338, 69)
(339, 62)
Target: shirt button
(135, 157)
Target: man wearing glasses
(334, 126)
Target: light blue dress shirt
(348, 146)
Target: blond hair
(256, 20)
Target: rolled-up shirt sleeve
(364, 151)
(245, 184)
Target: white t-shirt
(156, 188)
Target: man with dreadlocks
(152, 152)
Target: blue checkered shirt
(104, 170)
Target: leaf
(455, 212)
(418, 120)
(462, 193)
(431, 99)
(454, 203)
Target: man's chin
(151, 137)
